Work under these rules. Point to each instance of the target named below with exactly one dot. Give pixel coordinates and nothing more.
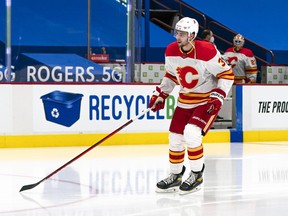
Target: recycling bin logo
(62, 108)
(55, 113)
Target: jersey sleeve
(251, 68)
(218, 67)
(169, 80)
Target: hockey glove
(157, 101)
(215, 101)
(247, 80)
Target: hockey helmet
(189, 25)
(238, 40)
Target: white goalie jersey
(243, 64)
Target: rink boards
(39, 115)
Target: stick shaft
(87, 150)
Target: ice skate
(171, 183)
(192, 183)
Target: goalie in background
(242, 61)
(204, 79)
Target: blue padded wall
(61, 26)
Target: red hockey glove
(247, 80)
(157, 101)
(215, 101)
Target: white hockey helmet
(238, 40)
(189, 25)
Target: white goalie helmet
(238, 40)
(189, 25)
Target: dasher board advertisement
(265, 107)
(80, 108)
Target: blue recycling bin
(62, 107)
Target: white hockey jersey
(243, 64)
(197, 72)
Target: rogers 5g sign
(44, 73)
(45, 67)
(72, 74)
(4, 73)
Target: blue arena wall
(58, 27)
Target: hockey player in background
(204, 79)
(242, 61)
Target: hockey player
(204, 79)
(242, 61)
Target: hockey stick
(30, 186)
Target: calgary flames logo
(188, 76)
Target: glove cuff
(161, 93)
(219, 94)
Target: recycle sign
(55, 113)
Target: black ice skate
(193, 182)
(171, 183)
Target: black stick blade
(28, 187)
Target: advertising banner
(265, 107)
(97, 108)
(76, 109)
(43, 67)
